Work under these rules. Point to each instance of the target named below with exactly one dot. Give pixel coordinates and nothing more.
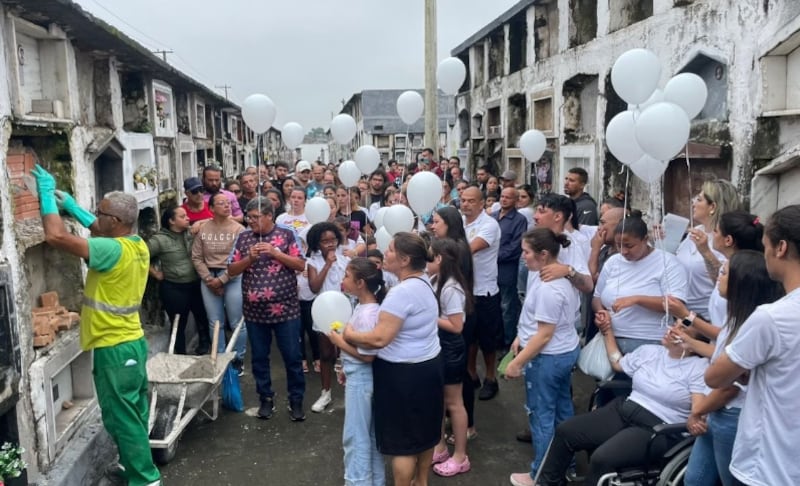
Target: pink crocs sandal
(439, 457)
(450, 467)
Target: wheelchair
(667, 469)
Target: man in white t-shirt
(483, 235)
(768, 344)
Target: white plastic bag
(594, 359)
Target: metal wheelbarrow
(180, 386)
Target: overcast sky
(307, 55)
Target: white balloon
(635, 75)
(657, 96)
(399, 218)
(688, 91)
(451, 74)
(424, 192)
(317, 210)
(621, 138)
(649, 169)
(329, 307)
(383, 238)
(258, 111)
(662, 130)
(292, 135)
(343, 128)
(367, 159)
(379, 215)
(532, 143)
(349, 173)
(410, 106)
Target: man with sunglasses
(195, 204)
(117, 260)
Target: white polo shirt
(484, 262)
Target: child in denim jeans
(363, 464)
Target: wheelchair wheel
(675, 470)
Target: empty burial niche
(479, 63)
(580, 107)
(517, 114)
(583, 22)
(496, 53)
(517, 43)
(545, 30)
(623, 13)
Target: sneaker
(525, 436)
(238, 365)
(322, 402)
(266, 409)
(489, 390)
(521, 479)
(296, 411)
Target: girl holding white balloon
(326, 270)
(363, 464)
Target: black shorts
(454, 357)
(488, 317)
(408, 406)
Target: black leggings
(307, 329)
(617, 433)
(182, 298)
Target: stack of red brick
(51, 318)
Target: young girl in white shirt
(363, 464)
(547, 345)
(454, 303)
(326, 270)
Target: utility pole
(224, 87)
(163, 54)
(431, 90)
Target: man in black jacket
(574, 184)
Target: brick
(42, 341)
(45, 310)
(61, 310)
(49, 299)
(54, 321)
(26, 215)
(65, 322)
(74, 317)
(41, 325)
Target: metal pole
(431, 91)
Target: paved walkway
(239, 449)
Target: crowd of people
(704, 335)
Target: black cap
(192, 183)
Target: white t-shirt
(767, 440)
(664, 385)
(335, 276)
(303, 288)
(700, 285)
(588, 231)
(413, 301)
(484, 262)
(717, 307)
(722, 337)
(452, 299)
(364, 318)
(657, 274)
(298, 223)
(555, 302)
(528, 213)
(389, 279)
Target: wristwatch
(571, 273)
(688, 320)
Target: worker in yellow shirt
(118, 263)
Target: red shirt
(195, 216)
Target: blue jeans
(512, 306)
(230, 304)
(548, 398)
(363, 464)
(629, 345)
(522, 278)
(287, 334)
(711, 453)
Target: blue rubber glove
(68, 204)
(46, 186)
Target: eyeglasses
(100, 214)
(253, 217)
(199, 190)
(237, 191)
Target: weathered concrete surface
(240, 449)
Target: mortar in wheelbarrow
(170, 372)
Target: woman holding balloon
(408, 382)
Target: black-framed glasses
(99, 214)
(198, 190)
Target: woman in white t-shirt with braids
(631, 288)
(547, 345)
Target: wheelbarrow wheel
(164, 423)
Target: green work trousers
(120, 377)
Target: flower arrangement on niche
(11, 463)
(161, 106)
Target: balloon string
(689, 179)
(624, 212)
(664, 276)
(260, 141)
